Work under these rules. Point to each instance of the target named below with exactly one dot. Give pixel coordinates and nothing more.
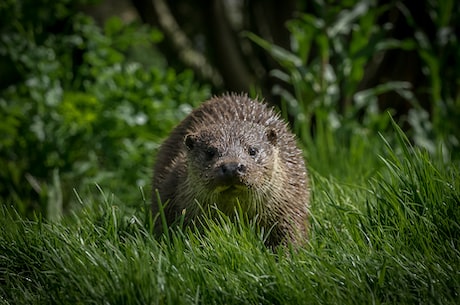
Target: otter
(233, 152)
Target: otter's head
(233, 160)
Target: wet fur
(276, 179)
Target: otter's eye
(210, 152)
(252, 151)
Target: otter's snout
(231, 173)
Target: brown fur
(233, 149)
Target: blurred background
(89, 89)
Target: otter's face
(232, 159)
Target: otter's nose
(230, 172)
(232, 169)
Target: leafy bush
(329, 55)
(82, 110)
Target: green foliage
(406, 196)
(392, 239)
(329, 55)
(81, 110)
(321, 80)
(440, 64)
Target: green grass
(389, 237)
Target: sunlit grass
(392, 238)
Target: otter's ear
(190, 141)
(272, 136)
